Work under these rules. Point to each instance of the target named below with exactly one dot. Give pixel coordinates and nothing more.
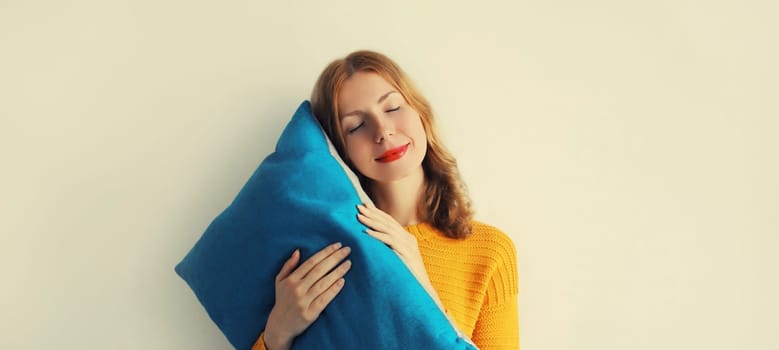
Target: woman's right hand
(303, 292)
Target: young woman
(384, 130)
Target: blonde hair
(447, 205)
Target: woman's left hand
(385, 228)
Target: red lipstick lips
(393, 154)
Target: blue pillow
(303, 196)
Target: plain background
(628, 147)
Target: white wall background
(628, 147)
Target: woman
(383, 129)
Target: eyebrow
(382, 98)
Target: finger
(370, 208)
(373, 223)
(320, 302)
(288, 266)
(309, 264)
(370, 211)
(323, 267)
(381, 220)
(383, 237)
(367, 221)
(369, 217)
(391, 241)
(325, 282)
(362, 209)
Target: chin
(397, 172)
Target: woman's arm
(498, 324)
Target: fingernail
(337, 245)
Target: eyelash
(352, 130)
(356, 127)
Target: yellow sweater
(476, 279)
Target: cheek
(355, 150)
(418, 130)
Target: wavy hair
(447, 205)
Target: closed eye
(352, 130)
(394, 109)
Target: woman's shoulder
(498, 248)
(483, 231)
(492, 239)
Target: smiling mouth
(393, 154)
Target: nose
(384, 129)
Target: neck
(401, 198)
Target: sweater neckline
(421, 230)
(426, 231)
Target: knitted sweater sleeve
(497, 326)
(260, 344)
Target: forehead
(362, 90)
